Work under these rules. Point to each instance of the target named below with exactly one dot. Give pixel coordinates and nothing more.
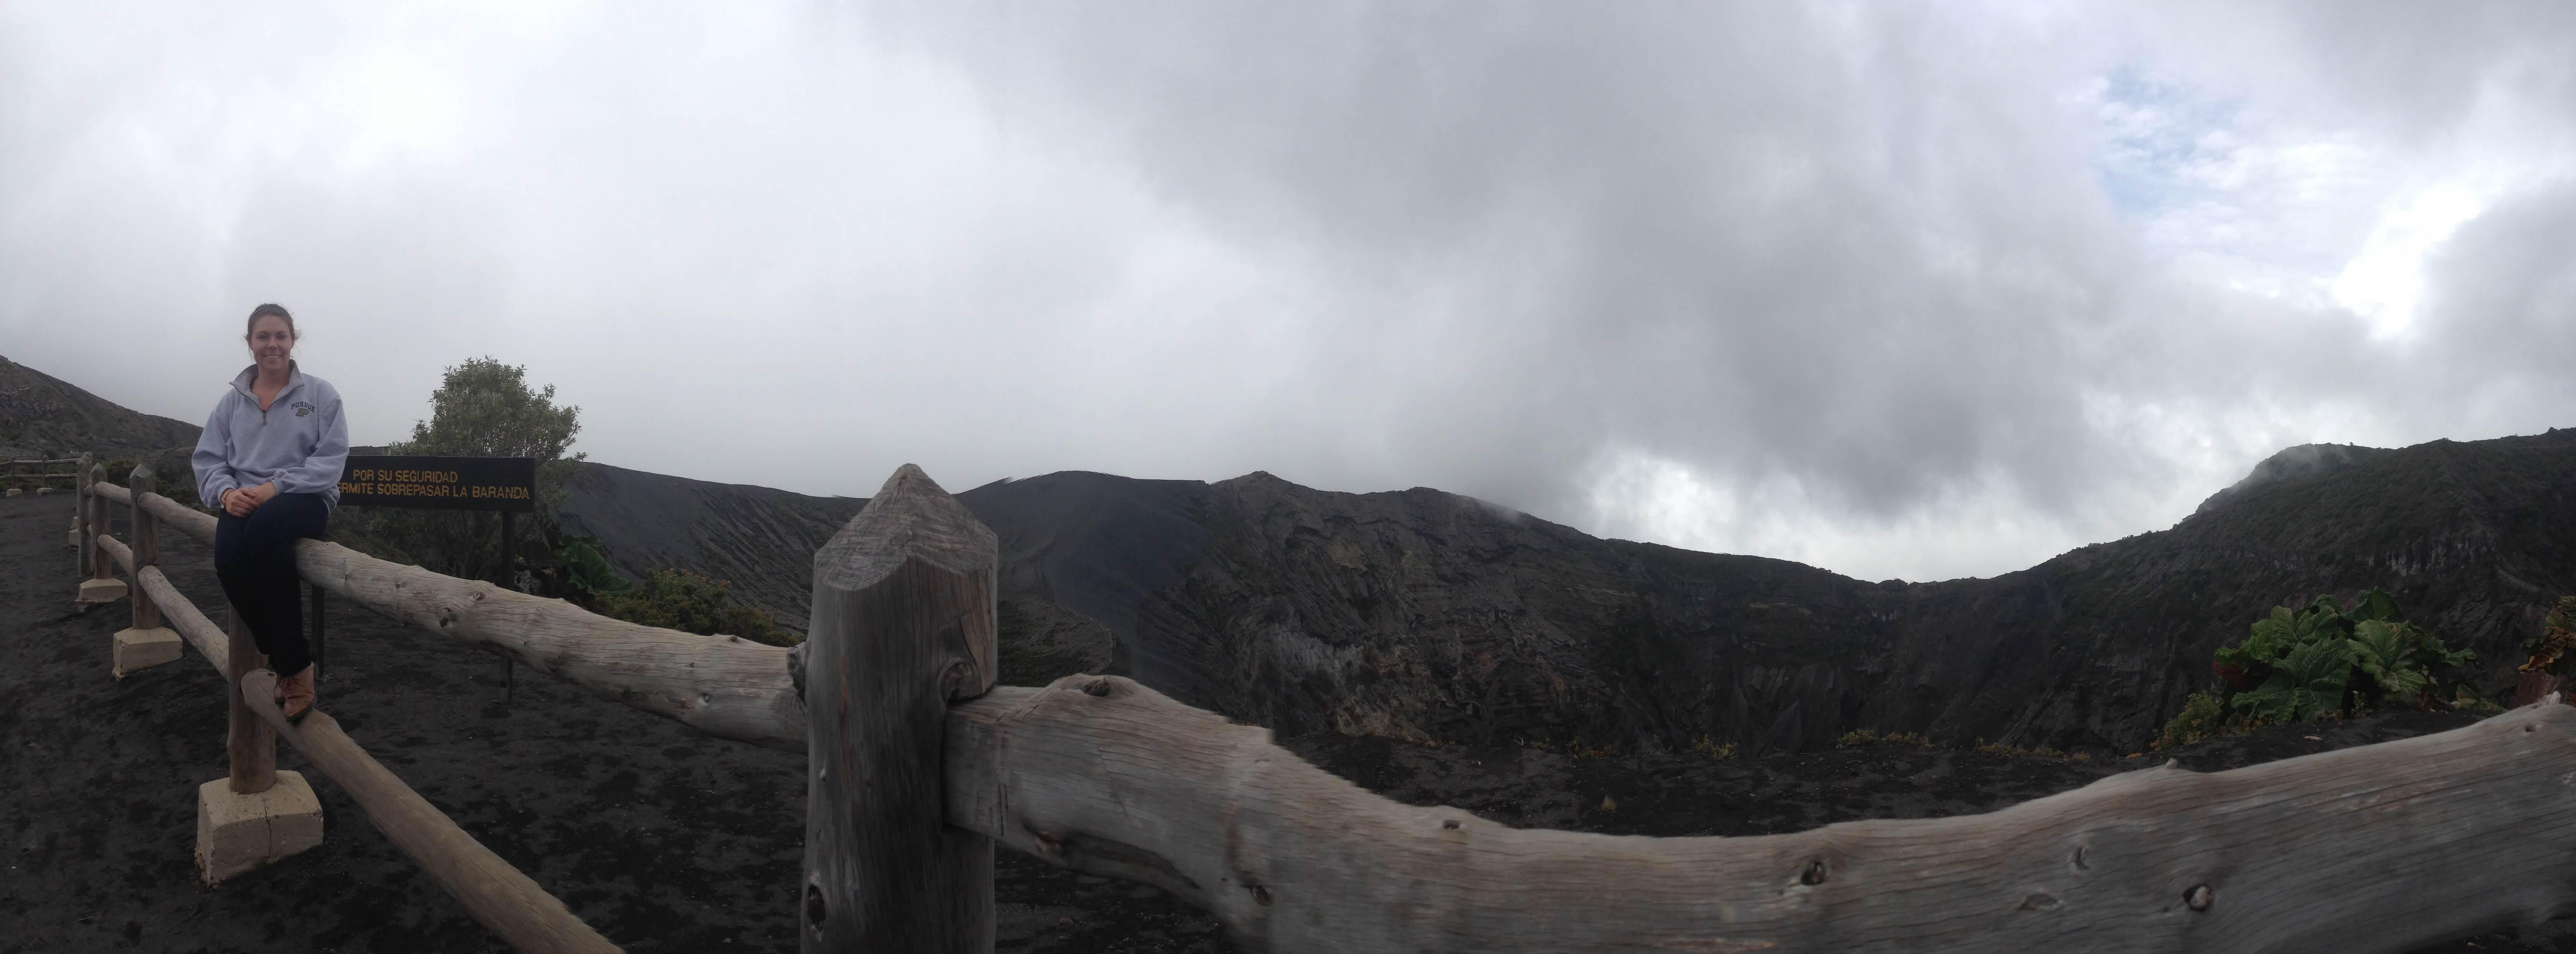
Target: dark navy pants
(255, 559)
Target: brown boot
(295, 695)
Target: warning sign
(443, 483)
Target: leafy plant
(2554, 650)
(2321, 660)
(2013, 751)
(2202, 717)
(690, 602)
(1860, 737)
(586, 569)
(2306, 683)
(1708, 747)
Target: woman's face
(272, 343)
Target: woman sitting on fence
(270, 458)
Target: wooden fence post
(145, 643)
(101, 567)
(248, 739)
(902, 626)
(146, 543)
(80, 517)
(102, 586)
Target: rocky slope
(1425, 615)
(762, 540)
(43, 417)
(2305, 460)
(1422, 614)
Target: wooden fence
(917, 765)
(33, 471)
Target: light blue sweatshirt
(299, 442)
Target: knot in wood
(1260, 895)
(1097, 687)
(1814, 875)
(815, 911)
(2198, 897)
(1451, 824)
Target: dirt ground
(665, 840)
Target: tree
(484, 408)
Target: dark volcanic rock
(762, 540)
(2295, 463)
(1426, 615)
(43, 417)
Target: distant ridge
(760, 539)
(42, 416)
(2295, 463)
(1421, 614)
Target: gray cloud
(1815, 241)
(1880, 287)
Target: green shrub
(120, 471)
(2322, 660)
(690, 602)
(586, 570)
(1860, 737)
(2013, 751)
(2554, 650)
(1708, 747)
(2201, 718)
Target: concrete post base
(237, 834)
(143, 648)
(102, 591)
(13, 491)
(73, 540)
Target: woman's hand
(241, 501)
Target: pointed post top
(911, 516)
(908, 479)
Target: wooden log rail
(2379, 848)
(729, 687)
(497, 895)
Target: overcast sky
(1896, 289)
